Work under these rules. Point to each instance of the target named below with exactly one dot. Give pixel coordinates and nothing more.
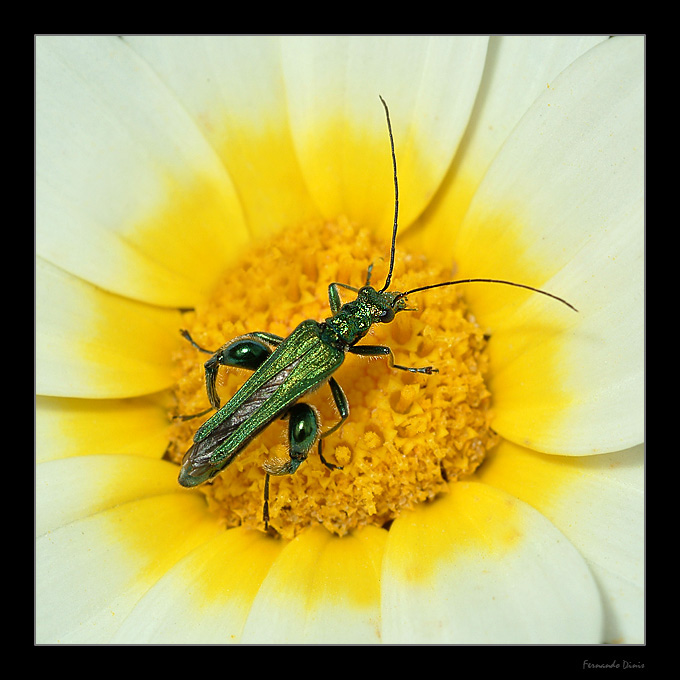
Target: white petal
(70, 489)
(338, 124)
(206, 597)
(518, 69)
(478, 566)
(598, 503)
(91, 572)
(78, 427)
(128, 193)
(233, 89)
(561, 208)
(90, 343)
(321, 590)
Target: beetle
(286, 369)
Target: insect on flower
(286, 369)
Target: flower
(161, 160)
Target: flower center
(407, 435)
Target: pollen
(408, 435)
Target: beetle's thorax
(354, 319)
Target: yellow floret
(407, 436)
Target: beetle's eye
(387, 315)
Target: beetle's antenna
(388, 280)
(507, 283)
(396, 199)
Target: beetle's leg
(303, 430)
(265, 507)
(369, 272)
(246, 351)
(334, 297)
(194, 415)
(343, 408)
(269, 338)
(185, 334)
(368, 275)
(382, 351)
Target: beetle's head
(384, 305)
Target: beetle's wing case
(300, 364)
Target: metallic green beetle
(285, 370)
